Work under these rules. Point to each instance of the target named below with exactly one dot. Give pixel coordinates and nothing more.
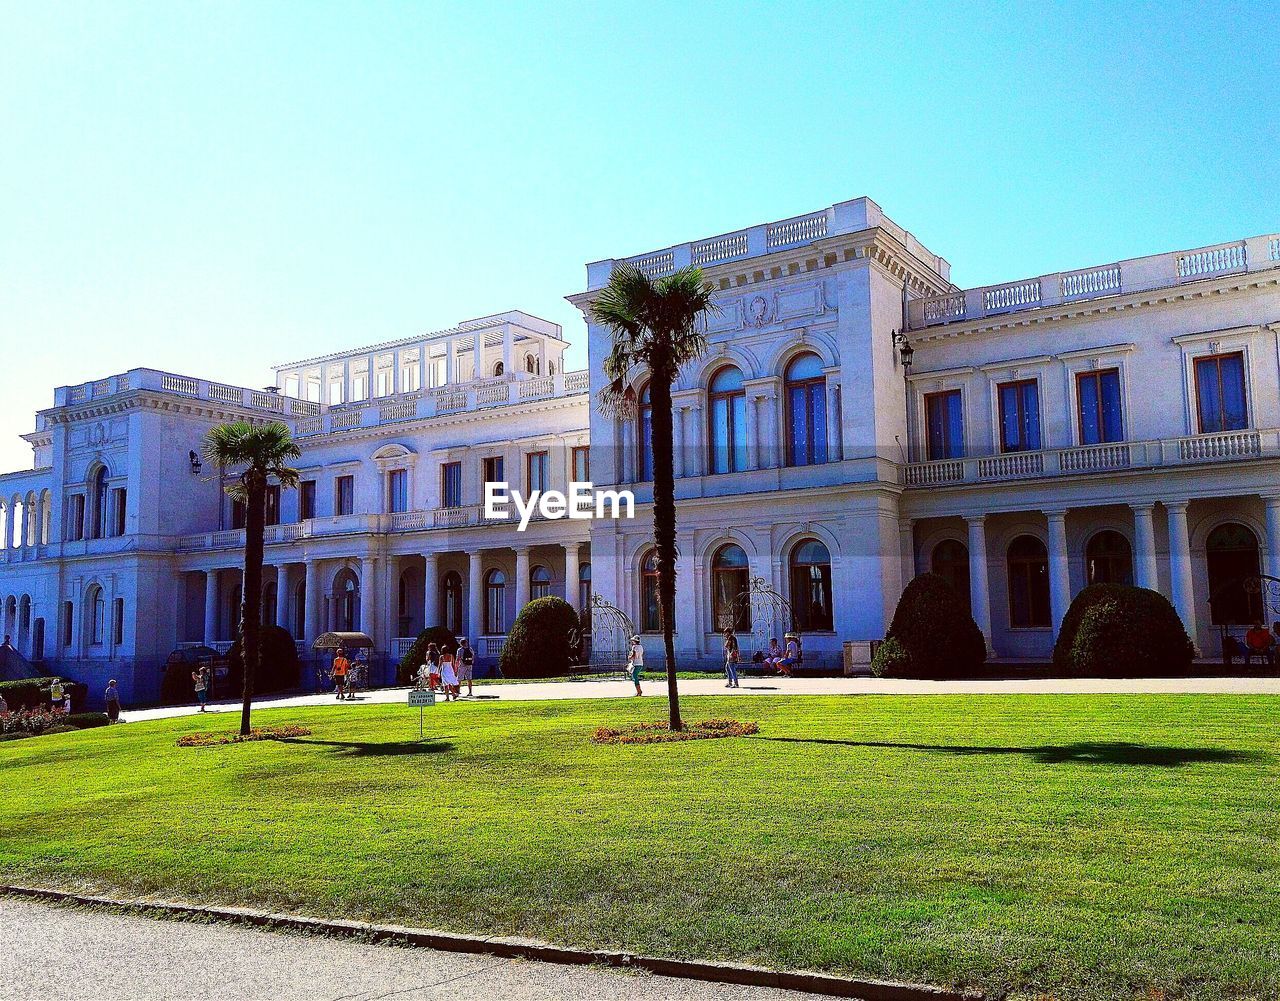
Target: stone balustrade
(1139, 274)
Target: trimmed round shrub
(891, 660)
(1134, 633)
(278, 668)
(86, 721)
(936, 632)
(540, 644)
(416, 655)
(62, 728)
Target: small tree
(279, 667)
(932, 634)
(261, 452)
(540, 644)
(655, 326)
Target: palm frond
(264, 451)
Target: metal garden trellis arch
(761, 613)
(609, 641)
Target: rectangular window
(313, 390)
(75, 529)
(237, 514)
(435, 366)
(291, 384)
(1020, 416)
(68, 623)
(344, 495)
(538, 472)
(119, 506)
(359, 387)
(492, 469)
(582, 464)
(306, 500)
(335, 393)
(451, 484)
(410, 377)
(117, 622)
(99, 619)
(944, 420)
(1099, 401)
(1220, 393)
(273, 505)
(398, 490)
(386, 382)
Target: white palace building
(857, 419)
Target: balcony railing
(181, 385)
(1140, 274)
(1230, 446)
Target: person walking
(200, 679)
(340, 668)
(56, 695)
(433, 666)
(635, 662)
(448, 675)
(731, 657)
(466, 664)
(112, 695)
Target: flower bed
(257, 733)
(32, 721)
(660, 733)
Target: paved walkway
(54, 953)
(541, 691)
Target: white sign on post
(421, 698)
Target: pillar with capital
(430, 589)
(979, 588)
(753, 436)
(1059, 567)
(391, 595)
(282, 596)
(677, 439)
(475, 597)
(1180, 580)
(370, 590)
(834, 449)
(571, 566)
(522, 577)
(311, 600)
(210, 607)
(1144, 545)
(907, 540)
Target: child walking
(731, 657)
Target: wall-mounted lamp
(194, 458)
(905, 351)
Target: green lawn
(1075, 847)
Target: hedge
(29, 692)
(416, 655)
(86, 721)
(1117, 630)
(540, 642)
(935, 635)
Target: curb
(516, 948)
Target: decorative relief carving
(757, 312)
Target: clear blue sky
(213, 188)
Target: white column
(391, 611)
(430, 590)
(449, 362)
(475, 594)
(424, 360)
(507, 339)
(753, 438)
(522, 577)
(1145, 573)
(1273, 535)
(979, 589)
(771, 452)
(1059, 567)
(370, 590)
(210, 607)
(677, 439)
(833, 420)
(282, 596)
(311, 601)
(695, 444)
(571, 566)
(907, 541)
(1180, 567)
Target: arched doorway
(1108, 559)
(346, 602)
(950, 561)
(1231, 555)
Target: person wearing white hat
(635, 662)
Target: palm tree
(655, 326)
(261, 452)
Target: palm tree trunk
(664, 526)
(251, 622)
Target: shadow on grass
(378, 748)
(1084, 752)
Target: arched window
(531, 364)
(727, 429)
(730, 578)
(495, 603)
(644, 436)
(650, 608)
(540, 582)
(1231, 552)
(99, 504)
(499, 369)
(551, 368)
(14, 538)
(950, 560)
(1028, 563)
(346, 599)
(96, 613)
(30, 539)
(584, 595)
(1108, 559)
(4, 524)
(811, 586)
(806, 389)
(451, 602)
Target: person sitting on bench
(1258, 642)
